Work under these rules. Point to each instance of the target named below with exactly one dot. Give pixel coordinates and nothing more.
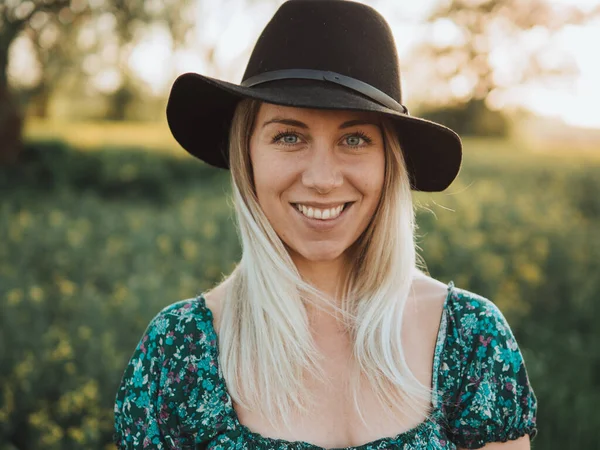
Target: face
(318, 176)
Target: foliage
(525, 232)
(82, 40)
(472, 118)
(471, 45)
(95, 243)
(468, 63)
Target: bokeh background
(104, 220)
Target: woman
(326, 335)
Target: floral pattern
(173, 396)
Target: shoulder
(477, 321)
(478, 336)
(425, 305)
(170, 326)
(428, 290)
(171, 380)
(177, 334)
(487, 393)
(213, 301)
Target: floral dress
(173, 396)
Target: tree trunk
(39, 104)
(119, 103)
(11, 122)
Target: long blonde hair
(265, 343)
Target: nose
(323, 172)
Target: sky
(576, 102)
(234, 30)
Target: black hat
(329, 54)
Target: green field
(94, 243)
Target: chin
(320, 253)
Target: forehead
(268, 111)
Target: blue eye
(286, 138)
(290, 139)
(357, 139)
(353, 141)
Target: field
(95, 241)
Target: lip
(319, 224)
(321, 205)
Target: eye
(353, 141)
(286, 138)
(358, 139)
(290, 139)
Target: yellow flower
(209, 230)
(15, 232)
(75, 237)
(189, 249)
(84, 332)
(14, 297)
(70, 368)
(53, 434)
(114, 245)
(24, 219)
(92, 424)
(76, 434)
(63, 351)
(9, 403)
(530, 273)
(65, 286)
(90, 390)
(164, 243)
(119, 294)
(56, 218)
(72, 402)
(135, 222)
(24, 367)
(37, 418)
(36, 293)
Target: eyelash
(282, 134)
(359, 134)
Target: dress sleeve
(144, 412)
(494, 400)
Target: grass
(157, 137)
(95, 135)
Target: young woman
(326, 335)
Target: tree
(478, 48)
(54, 39)
(130, 18)
(53, 26)
(15, 15)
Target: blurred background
(104, 220)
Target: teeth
(322, 214)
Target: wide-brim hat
(322, 54)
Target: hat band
(322, 75)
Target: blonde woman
(326, 335)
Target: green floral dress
(173, 396)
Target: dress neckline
(269, 442)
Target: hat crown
(339, 36)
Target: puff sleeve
(160, 403)
(492, 398)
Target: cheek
(272, 176)
(369, 177)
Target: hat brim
(200, 110)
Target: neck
(326, 276)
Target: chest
(334, 421)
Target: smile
(321, 214)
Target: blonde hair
(265, 343)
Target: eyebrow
(297, 123)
